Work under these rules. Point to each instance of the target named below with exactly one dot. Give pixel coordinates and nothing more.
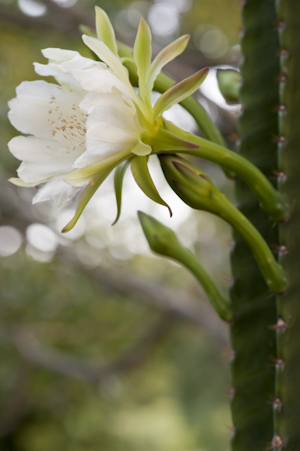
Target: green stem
(163, 241)
(220, 304)
(271, 201)
(197, 190)
(272, 271)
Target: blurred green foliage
(174, 398)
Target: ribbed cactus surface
(287, 393)
(253, 342)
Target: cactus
(253, 342)
(287, 388)
(265, 333)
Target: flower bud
(193, 186)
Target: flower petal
(95, 76)
(57, 190)
(164, 57)
(40, 109)
(108, 57)
(56, 69)
(110, 108)
(179, 91)
(57, 55)
(105, 31)
(42, 158)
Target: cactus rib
(286, 401)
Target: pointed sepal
(105, 31)
(88, 192)
(164, 57)
(179, 92)
(141, 174)
(142, 52)
(19, 182)
(80, 177)
(165, 140)
(118, 185)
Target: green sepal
(163, 241)
(141, 174)
(229, 82)
(118, 185)
(19, 182)
(80, 177)
(164, 57)
(88, 192)
(87, 30)
(105, 31)
(165, 140)
(180, 91)
(142, 52)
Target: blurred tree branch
(28, 346)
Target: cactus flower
(93, 121)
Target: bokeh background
(104, 346)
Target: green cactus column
(287, 396)
(253, 342)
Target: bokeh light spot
(10, 240)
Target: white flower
(92, 120)
(72, 124)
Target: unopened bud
(193, 186)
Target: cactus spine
(286, 400)
(253, 342)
